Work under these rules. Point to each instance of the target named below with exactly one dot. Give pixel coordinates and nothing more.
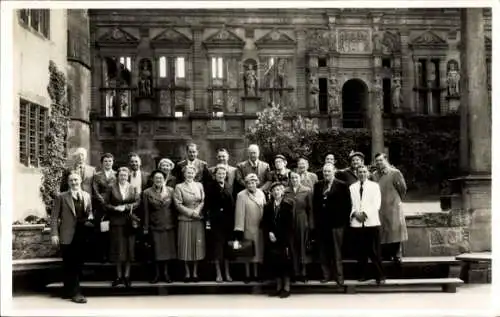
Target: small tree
(54, 161)
(275, 134)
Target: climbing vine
(54, 160)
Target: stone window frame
(221, 85)
(266, 54)
(33, 125)
(131, 88)
(27, 20)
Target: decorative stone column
(473, 200)
(313, 84)
(431, 78)
(301, 64)
(199, 70)
(408, 73)
(376, 105)
(442, 85)
(334, 91)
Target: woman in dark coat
(121, 202)
(277, 224)
(160, 223)
(219, 205)
(303, 216)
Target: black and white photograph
(280, 156)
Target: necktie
(134, 174)
(361, 191)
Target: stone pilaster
(431, 78)
(334, 91)
(376, 105)
(199, 70)
(442, 85)
(408, 73)
(313, 84)
(301, 64)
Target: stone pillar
(476, 91)
(79, 79)
(473, 200)
(199, 70)
(376, 105)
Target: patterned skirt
(164, 245)
(191, 240)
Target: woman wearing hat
(166, 166)
(189, 199)
(248, 215)
(281, 173)
(277, 225)
(159, 221)
(303, 220)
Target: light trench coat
(393, 189)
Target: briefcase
(247, 250)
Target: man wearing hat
(349, 175)
(280, 174)
(329, 158)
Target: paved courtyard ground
(470, 300)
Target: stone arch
(355, 99)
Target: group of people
(262, 217)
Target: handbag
(104, 225)
(134, 222)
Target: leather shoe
(79, 299)
(380, 281)
(284, 294)
(155, 280)
(325, 280)
(117, 282)
(275, 293)
(127, 282)
(340, 281)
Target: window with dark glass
(323, 96)
(32, 131)
(37, 20)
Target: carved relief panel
(321, 40)
(165, 103)
(354, 41)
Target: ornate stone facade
(210, 71)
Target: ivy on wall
(54, 161)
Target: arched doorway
(354, 101)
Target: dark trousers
(390, 251)
(331, 253)
(368, 247)
(73, 256)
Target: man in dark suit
(71, 219)
(253, 166)
(87, 172)
(331, 208)
(138, 177)
(202, 174)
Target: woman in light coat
(248, 215)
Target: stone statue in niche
(453, 79)
(124, 105)
(432, 75)
(396, 93)
(280, 79)
(313, 89)
(377, 41)
(145, 78)
(250, 78)
(333, 94)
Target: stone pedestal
(251, 104)
(472, 208)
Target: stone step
(446, 284)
